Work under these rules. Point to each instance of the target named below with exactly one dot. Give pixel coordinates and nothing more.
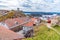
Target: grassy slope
(42, 33)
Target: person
(49, 21)
(49, 24)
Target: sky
(31, 5)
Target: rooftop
(6, 34)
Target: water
(41, 13)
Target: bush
(56, 26)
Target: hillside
(11, 14)
(43, 33)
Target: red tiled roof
(33, 19)
(11, 22)
(6, 34)
(19, 20)
(29, 24)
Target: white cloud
(10, 4)
(32, 5)
(43, 5)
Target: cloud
(32, 5)
(9, 4)
(41, 5)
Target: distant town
(17, 25)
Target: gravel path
(49, 26)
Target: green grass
(57, 28)
(43, 33)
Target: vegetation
(6, 16)
(42, 33)
(57, 27)
(11, 14)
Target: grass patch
(57, 28)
